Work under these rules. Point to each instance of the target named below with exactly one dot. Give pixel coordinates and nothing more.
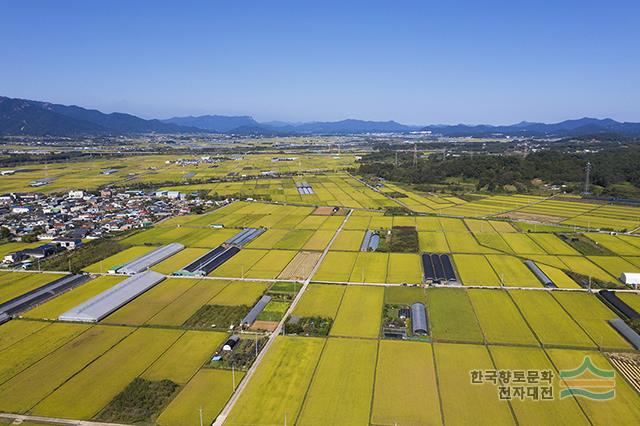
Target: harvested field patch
(300, 266)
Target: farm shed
(419, 324)
(449, 272)
(630, 278)
(244, 236)
(428, 272)
(231, 343)
(365, 242)
(208, 262)
(612, 299)
(147, 260)
(98, 307)
(255, 311)
(437, 267)
(40, 294)
(626, 332)
(544, 279)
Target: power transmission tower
(587, 175)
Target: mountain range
(35, 118)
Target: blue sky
(411, 61)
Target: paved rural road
(19, 418)
(236, 395)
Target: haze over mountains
(27, 117)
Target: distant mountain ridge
(27, 117)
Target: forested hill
(611, 169)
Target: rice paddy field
(497, 316)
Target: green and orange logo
(588, 381)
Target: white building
(76, 194)
(630, 278)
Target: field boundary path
(20, 418)
(243, 384)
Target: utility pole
(201, 416)
(587, 173)
(415, 154)
(396, 158)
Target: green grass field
(370, 268)
(592, 315)
(341, 389)
(240, 293)
(179, 260)
(240, 264)
(348, 241)
(433, 242)
(86, 393)
(185, 357)
(119, 259)
(475, 270)
(359, 314)
(14, 331)
(336, 266)
(451, 316)
(626, 404)
(396, 295)
(551, 324)
(144, 307)
(320, 300)
(271, 264)
(37, 345)
(513, 272)
(530, 412)
(499, 318)
(208, 390)
(14, 284)
(400, 363)
(286, 372)
(463, 402)
(404, 268)
(26, 389)
(181, 309)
